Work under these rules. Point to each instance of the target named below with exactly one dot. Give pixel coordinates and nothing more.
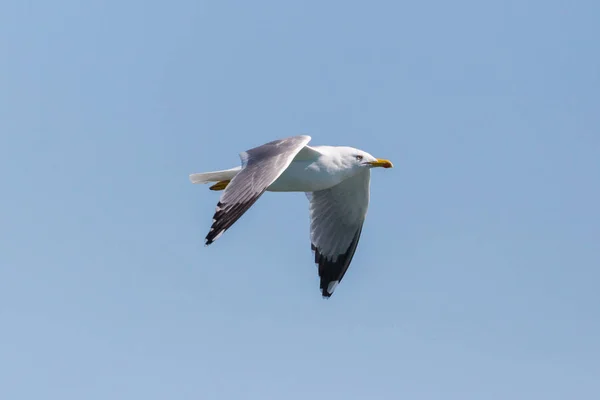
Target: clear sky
(478, 269)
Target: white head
(357, 159)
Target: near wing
(261, 166)
(337, 216)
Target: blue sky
(477, 273)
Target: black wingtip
(209, 239)
(331, 272)
(326, 287)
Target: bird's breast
(303, 176)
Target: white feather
(215, 176)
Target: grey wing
(261, 166)
(337, 216)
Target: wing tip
(212, 237)
(328, 287)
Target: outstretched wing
(261, 166)
(337, 216)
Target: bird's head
(358, 159)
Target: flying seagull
(335, 180)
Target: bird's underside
(337, 213)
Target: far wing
(261, 166)
(337, 216)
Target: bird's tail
(215, 176)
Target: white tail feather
(215, 176)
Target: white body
(310, 175)
(314, 168)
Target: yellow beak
(381, 163)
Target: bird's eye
(359, 158)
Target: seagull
(335, 180)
